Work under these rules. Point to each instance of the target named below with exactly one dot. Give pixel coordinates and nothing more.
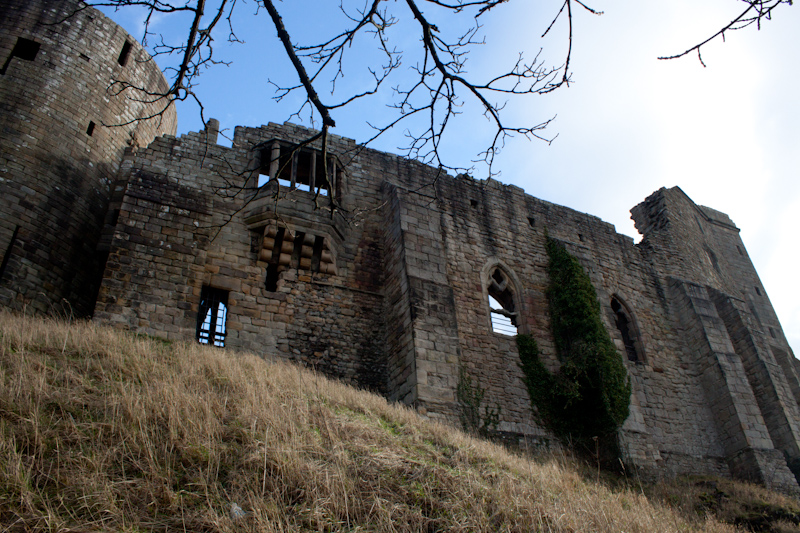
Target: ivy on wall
(476, 417)
(588, 399)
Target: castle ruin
(367, 266)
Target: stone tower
(66, 122)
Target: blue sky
(727, 134)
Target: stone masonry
(384, 283)
(65, 123)
(378, 270)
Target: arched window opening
(627, 329)
(501, 304)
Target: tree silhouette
(437, 88)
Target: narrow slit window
(316, 257)
(212, 316)
(271, 281)
(297, 248)
(124, 54)
(90, 129)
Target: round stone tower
(74, 92)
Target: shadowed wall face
(57, 157)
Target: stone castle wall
(166, 247)
(403, 306)
(381, 277)
(57, 155)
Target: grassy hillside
(103, 431)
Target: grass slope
(104, 431)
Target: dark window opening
(740, 250)
(211, 316)
(758, 291)
(24, 49)
(580, 237)
(305, 165)
(276, 250)
(90, 129)
(296, 168)
(124, 53)
(497, 276)
(316, 256)
(271, 283)
(501, 304)
(7, 255)
(627, 329)
(473, 203)
(297, 250)
(772, 333)
(531, 221)
(114, 218)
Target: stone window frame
(212, 301)
(509, 283)
(633, 348)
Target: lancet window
(503, 310)
(624, 322)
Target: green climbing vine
(476, 418)
(588, 399)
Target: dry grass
(750, 506)
(102, 431)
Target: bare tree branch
(283, 35)
(427, 98)
(756, 11)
